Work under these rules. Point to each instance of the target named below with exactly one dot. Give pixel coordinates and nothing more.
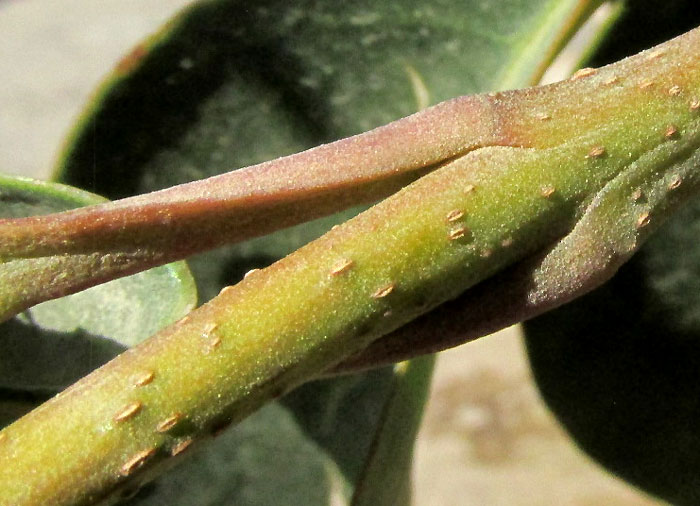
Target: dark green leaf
(645, 23)
(226, 86)
(619, 366)
(341, 415)
(229, 84)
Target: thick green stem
(603, 158)
(58, 254)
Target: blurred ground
(487, 440)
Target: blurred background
(487, 438)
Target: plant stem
(587, 147)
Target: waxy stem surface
(599, 159)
